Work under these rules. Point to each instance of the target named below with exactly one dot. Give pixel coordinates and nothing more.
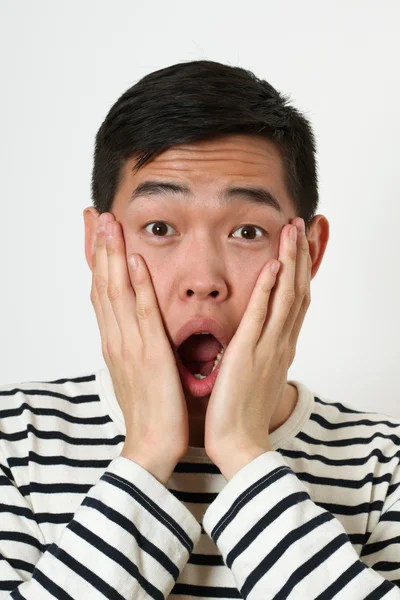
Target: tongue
(199, 352)
(200, 348)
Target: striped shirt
(316, 518)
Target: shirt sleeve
(279, 544)
(129, 539)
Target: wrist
(156, 467)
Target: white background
(63, 64)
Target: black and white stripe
(317, 518)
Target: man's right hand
(138, 355)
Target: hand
(138, 355)
(253, 373)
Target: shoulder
(23, 404)
(73, 390)
(370, 439)
(347, 415)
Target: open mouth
(200, 354)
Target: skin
(204, 264)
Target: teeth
(217, 359)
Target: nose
(203, 273)
(199, 292)
(206, 283)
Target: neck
(280, 416)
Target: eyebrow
(254, 195)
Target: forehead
(209, 166)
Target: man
(159, 476)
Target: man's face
(205, 256)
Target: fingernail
(133, 261)
(301, 228)
(101, 222)
(274, 268)
(108, 229)
(293, 234)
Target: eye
(248, 231)
(159, 227)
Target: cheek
(161, 280)
(243, 284)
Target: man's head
(209, 129)
(200, 100)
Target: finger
(304, 304)
(94, 297)
(253, 321)
(120, 292)
(302, 284)
(112, 336)
(283, 295)
(266, 298)
(147, 309)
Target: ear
(318, 237)
(90, 216)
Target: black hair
(199, 100)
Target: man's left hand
(253, 375)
